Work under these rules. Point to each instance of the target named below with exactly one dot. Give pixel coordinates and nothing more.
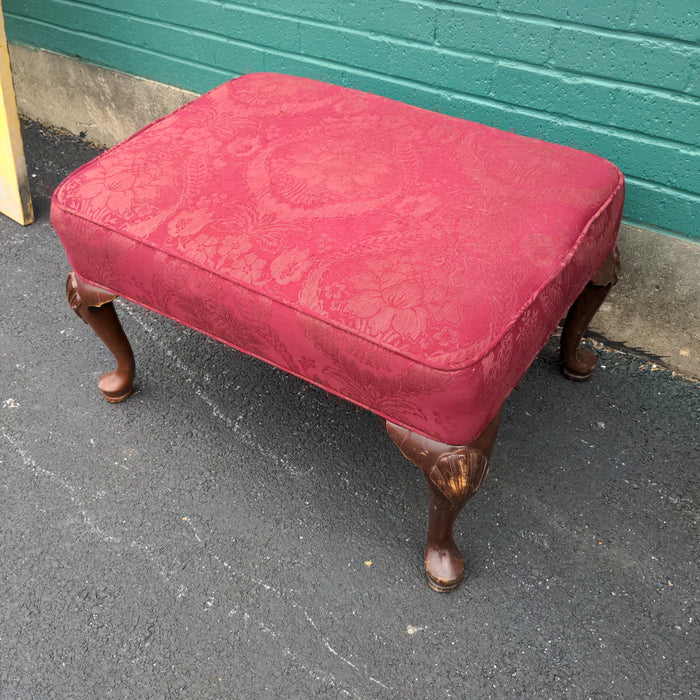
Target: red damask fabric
(411, 262)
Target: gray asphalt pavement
(232, 532)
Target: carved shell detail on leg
(459, 475)
(72, 295)
(81, 295)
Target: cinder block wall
(620, 78)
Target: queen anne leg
(578, 364)
(454, 473)
(95, 306)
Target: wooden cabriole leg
(578, 364)
(454, 473)
(95, 306)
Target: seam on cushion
(240, 285)
(421, 361)
(279, 366)
(555, 273)
(569, 255)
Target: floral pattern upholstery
(411, 262)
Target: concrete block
(102, 105)
(656, 305)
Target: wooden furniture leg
(454, 473)
(95, 306)
(578, 364)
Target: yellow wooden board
(15, 199)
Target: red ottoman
(410, 262)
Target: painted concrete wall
(620, 78)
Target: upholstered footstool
(410, 262)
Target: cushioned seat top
(412, 262)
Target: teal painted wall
(620, 78)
